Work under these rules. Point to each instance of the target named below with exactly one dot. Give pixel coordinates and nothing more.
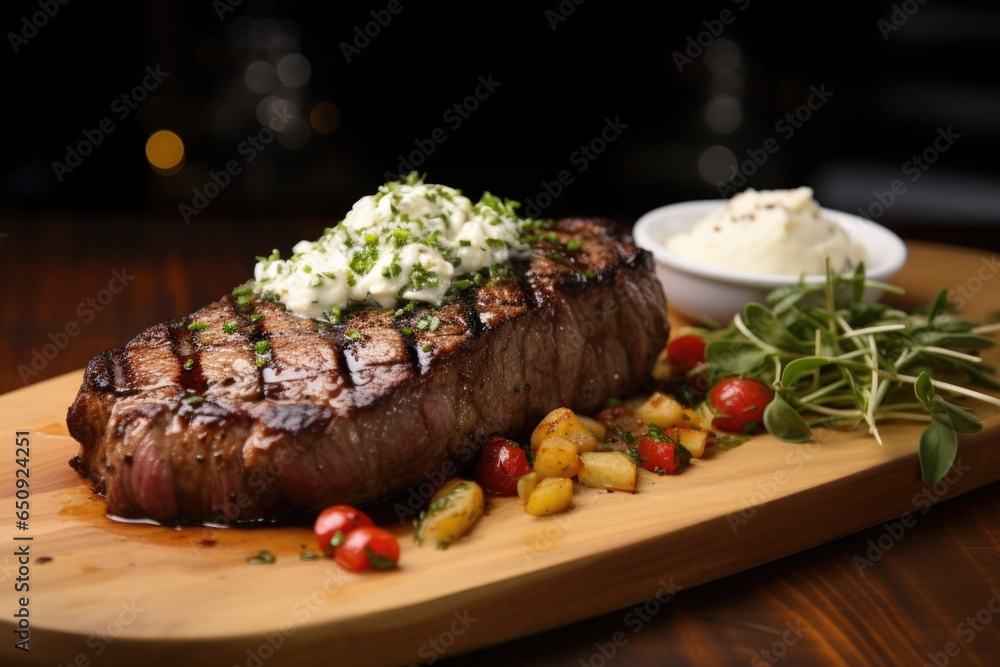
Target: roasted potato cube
(563, 423)
(607, 470)
(551, 495)
(557, 457)
(666, 411)
(453, 510)
(526, 484)
(693, 440)
(594, 426)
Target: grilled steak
(190, 422)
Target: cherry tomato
(500, 465)
(740, 402)
(342, 518)
(368, 548)
(685, 352)
(664, 458)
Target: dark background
(605, 60)
(564, 72)
(62, 242)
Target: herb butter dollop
(408, 242)
(770, 231)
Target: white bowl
(701, 291)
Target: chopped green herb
(573, 244)
(194, 400)
(262, 346)
(727, 442)
(353, 334)
(427, 347)
(189, 364)
(230, 327)
(197, 326)
(263, 558)
(378, 562)
(464, 242)
(335, 315)
(392, 270)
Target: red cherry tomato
(740, 402)
(342, 518)
(662, 457)
(368, 548)
(500, 465)
(685, 352)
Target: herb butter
(408, 242)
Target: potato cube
(607, 470)
(563, 423)
(594, 426)
(453, 510)
(526, 484)
(662, 410)
(691, 419)
(556, 457)
(693, 440)
(553, 494)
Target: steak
(200, 420)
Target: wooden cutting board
(110, 593)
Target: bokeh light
(325, 118)
(717, 164)
(165, 152)
(260, 76)
(723, 114)
(294, 69)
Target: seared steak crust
(189, 424)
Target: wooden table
(81, 286)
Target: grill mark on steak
(191, 379)
(329, 419)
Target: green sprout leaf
(783, 422)
(937, 449)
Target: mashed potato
(769, 231)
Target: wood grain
(517, 576)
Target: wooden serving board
(110, 593)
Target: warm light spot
(325, 118)
(165, 152)
(293, 69)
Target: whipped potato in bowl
(769, 231)
(714, 256)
